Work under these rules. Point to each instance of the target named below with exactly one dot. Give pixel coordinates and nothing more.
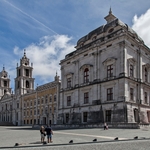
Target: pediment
(109, 60)
(86, 66)
(147, 66)
(5, 96)
(132, 60)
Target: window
(50, 110)
(24, 104)
(86, 98)
(108, 115)
(54, 97)
(131, 93)
(42, 101)
(68, 100)
(38, 111)
(34, 112)
(27, 84)
(145, 97)
(136, 115)
(30, 112)
(46, 99)
(131, 71)
(94, 38)
(110, 30)
(11, 107)
(17, 105)
(85, 114)
(46, 110)
(38, 101)
(50, 99)
(5, 83)
(81, 45)
(67, 118)
(109, 71)
(54, 109)
(27, 72)
(68, 82)
(110, 94)
(31, 103)
(86, 75)
(146, 75)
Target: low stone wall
(77, 126)
(4, 123)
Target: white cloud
(46, 55)
(141, 26)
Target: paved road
(82, 139)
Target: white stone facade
(107, 77)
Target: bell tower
(4, 83)
(24, 83)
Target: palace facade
(107, 77)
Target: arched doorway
(136, 115)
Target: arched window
(86, 75)
(27, 84)
(146, 75)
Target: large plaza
(29, 138)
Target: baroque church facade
(107, 77)
(27, 105)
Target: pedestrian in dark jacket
(49, 133)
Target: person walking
(105, 126)
(42, 131)
(49, 133)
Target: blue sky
(49, 29)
